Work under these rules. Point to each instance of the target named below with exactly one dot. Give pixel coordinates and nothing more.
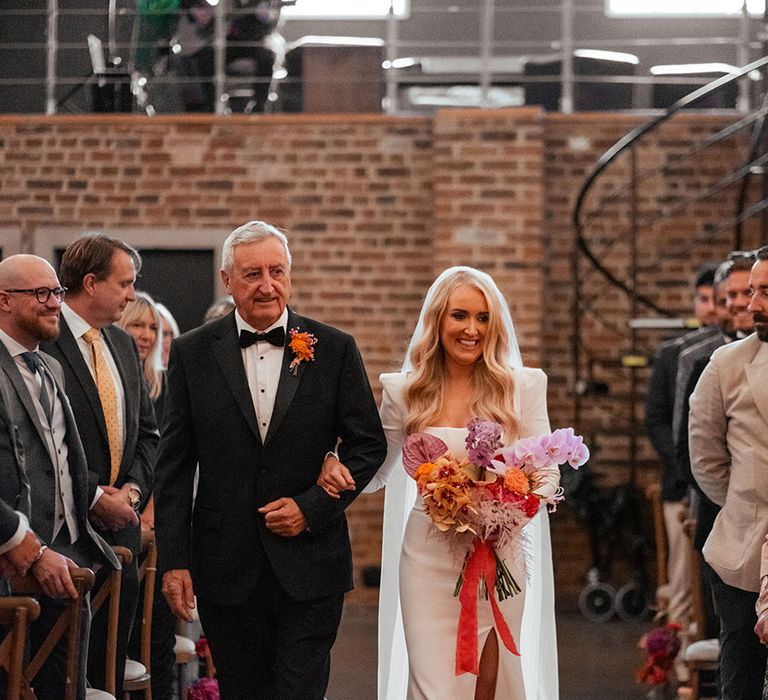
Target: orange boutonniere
(303, 346)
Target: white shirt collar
(14, 347)
(241, 324)
(77, 324)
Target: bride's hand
(335, 477)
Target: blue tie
(35, 364)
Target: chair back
(69, 624)
(110, 592)
(147, 574)
(15, 614)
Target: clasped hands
(113, 510)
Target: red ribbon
(480, 563)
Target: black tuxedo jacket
(26, 466)
(140, 428)
(209, 418)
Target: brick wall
(376, 206)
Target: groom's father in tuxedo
(259, 398)
(115, 417)
(44, 499)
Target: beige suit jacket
(728, 433)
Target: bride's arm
(392, 419)
(535, 421)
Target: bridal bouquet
(492, 494)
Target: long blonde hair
(493, 383)
(152, 364)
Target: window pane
(682, 7)
(335, 9)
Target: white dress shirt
(263, 362)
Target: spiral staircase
(656, 205)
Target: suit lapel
(226, 350)
(71, 351)
(289, 382)
(756, 373)
(9, 366)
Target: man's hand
(761, 628)
(52, 573)
(335, 477)
(113, 510)
(16, 562)
(177, 589)
(284, 518)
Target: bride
(463, 361)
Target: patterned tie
(108, 397)
(35, 364)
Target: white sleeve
(392, 414)
(534, 420)
(18, 536)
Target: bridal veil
(537, 641)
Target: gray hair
(251, 232)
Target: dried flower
(661, 646)
(303, 346)
(204, 689)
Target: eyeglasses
(43, 294)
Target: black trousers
(272, 647)
(742, 656)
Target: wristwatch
(134, 498)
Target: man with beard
(728, 437)
(44, 528)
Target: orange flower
(516, 481)
(303, 346)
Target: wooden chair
(68, 624)
(653, 494)
(701, 654)
(110, 591)
(15, 613)
(138, 674)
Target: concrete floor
(597, 661)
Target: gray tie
(35, 364)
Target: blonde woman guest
(142, 321)
(170, 331)
(463, 361)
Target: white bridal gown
(427, 566)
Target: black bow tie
(276, 337)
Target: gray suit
(28, 486)
(25, 438)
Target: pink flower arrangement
(661, 645)
(491, 494)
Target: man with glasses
(728, 438)
(115, 418)
(44, 528)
